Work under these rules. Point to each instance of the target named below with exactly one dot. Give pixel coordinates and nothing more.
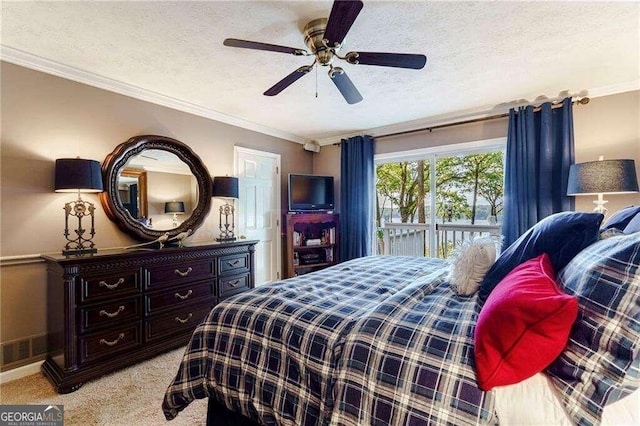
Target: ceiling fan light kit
(323, 37)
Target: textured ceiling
(481, 55)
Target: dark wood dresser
(111, 309)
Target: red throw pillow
(523, 326)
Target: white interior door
(259, 209)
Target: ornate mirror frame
(115, 163)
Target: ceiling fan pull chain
(316, 82)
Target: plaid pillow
(601, 363)
(633, 225)
(621, 218)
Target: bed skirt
(219, 415)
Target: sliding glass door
(430, 200)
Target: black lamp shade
(77, 174)
(225, 187)
(602, 177)
(174, 207)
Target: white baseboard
(20, 372)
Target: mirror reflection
(132, 191)
(151, 186)
(173, 187)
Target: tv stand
(312, 242)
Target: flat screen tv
(310, 193)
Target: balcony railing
(413, 239)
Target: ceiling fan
(324, 37)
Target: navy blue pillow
(633, 225)
(561, 236)
(621, 218)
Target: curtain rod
(580, 101)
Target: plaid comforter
(411, 362)
(351, 344)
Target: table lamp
(602, 177)
(78, 175)
(174, 208)
(226, 187)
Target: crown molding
(38, 63)
(27, 60)
(474, 113)
(614, 89)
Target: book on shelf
(328, 254)
(313, 242)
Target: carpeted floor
(132, 396)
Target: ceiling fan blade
(288, 80)
(398, 60)
(343, 15)
(234, 42)
(345, 86)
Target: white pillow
(470, 263)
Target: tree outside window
(469, 188)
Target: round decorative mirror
(155, 185)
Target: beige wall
(163, 187)
(445, 136)
(608, 126)
(327, 163)
(46, 117)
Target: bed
(387, 340)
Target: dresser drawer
(228, 286)
(178, 296)
(178, 273)
(113, 284)
(108, 343)
(231, 265)
(183, 320)
(108, 314)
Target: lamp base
(600, 202)
(75, 252)
(226, 239)
(83, 243)
(226, 228)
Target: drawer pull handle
(234, 263)
(113, 342)
(233, 283)
(185, 273)
(112, 314)
(181, 297)
(184, 321)
(111, 286)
